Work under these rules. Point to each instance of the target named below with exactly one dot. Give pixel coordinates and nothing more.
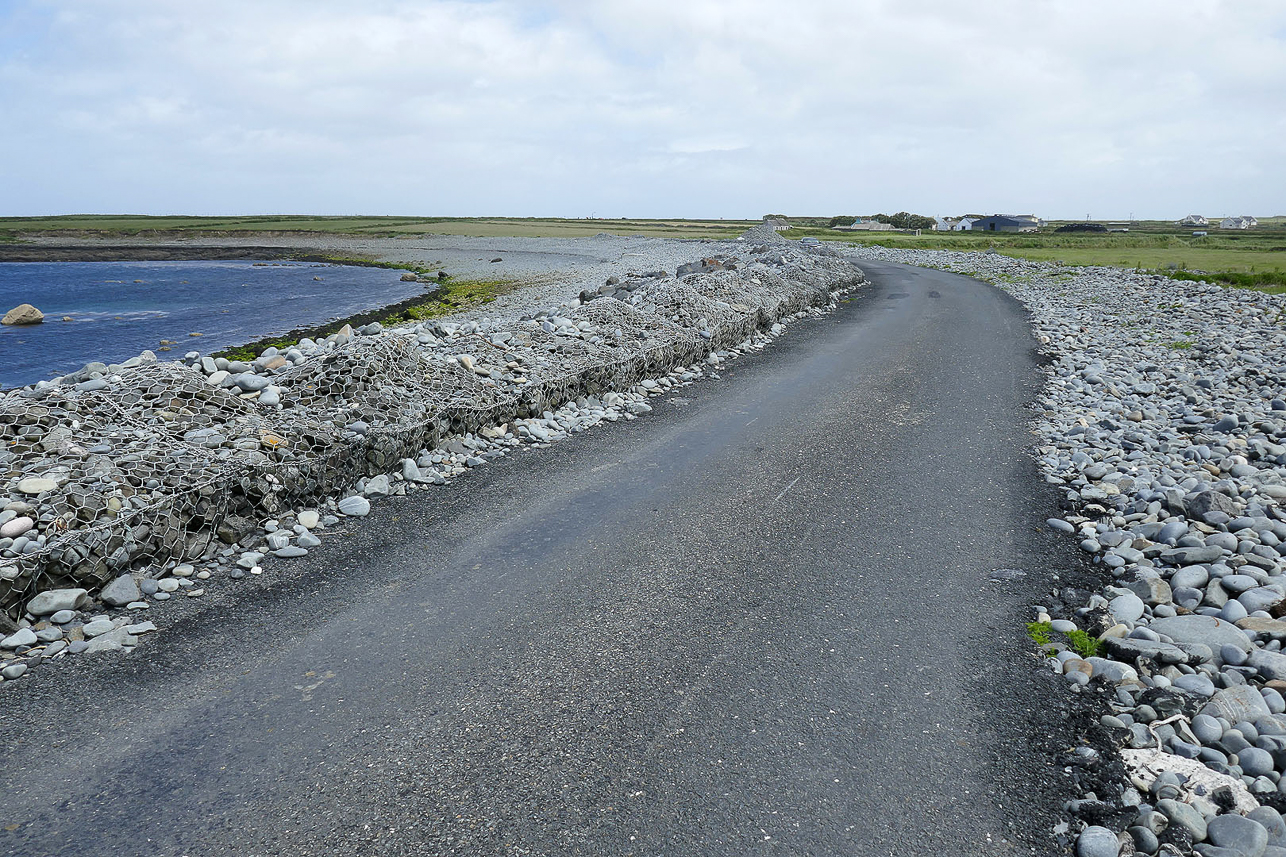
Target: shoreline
(140, 253)
(184, 253)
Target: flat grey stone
(1203, 630)
(1191, 556)
(112, 641)
(98, 627)
(13, 671)
(36, 485)
(53, 600)
(1272, 821)
(21, 637)
(1190, 577)
(1238, 583)
(1271, 665)
(250, 382)
(1236, 704)
(1274, 628)
(290, 551)
(1113, 671)
(1238, 833)
(1261, 598)
(249, 559)
(1130, 648)
(1199, 684)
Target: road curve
(758, 621)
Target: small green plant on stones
(1039, 633)
(1082, 643)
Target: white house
(965, 224)
(944, 224)
(1245, 222)
(778, 224)
(1194, 220)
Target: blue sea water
(119, 309)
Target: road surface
(759, 621)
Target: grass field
(1159, 247)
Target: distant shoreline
(144, 253)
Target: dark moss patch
(449, 296)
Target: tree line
(901, 220)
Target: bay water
(116, 310)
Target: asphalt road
(758, 621)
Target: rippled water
(118, 309)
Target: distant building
(778, 224)
(1194, 220)
(1027, 220)
(965, 224)
(868, 226)
(1006, 223)
(1245, 222)
(944, 224)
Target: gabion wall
(158, 464)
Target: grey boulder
(1271, 665)
(1236, 704)
(1237, 833)
(1097, 841)
(1202, 630)
(121, 591)
(355, 506)
(53, 600)
(21, 637)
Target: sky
(643, 108)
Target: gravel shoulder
(1162, 424)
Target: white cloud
(643, 107)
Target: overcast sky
(644, 108)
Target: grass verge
(450, 296)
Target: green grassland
(1255, 257)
